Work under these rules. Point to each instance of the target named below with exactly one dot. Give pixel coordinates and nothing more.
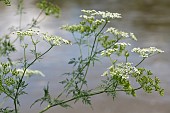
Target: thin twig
(140, 62)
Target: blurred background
(149, 20)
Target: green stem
(21, 79)
(80, 96)
(35, 47)
(97, 53)
(20, 8)
(108, 47)
(36, 20)
(94, 55)
(95, 39)
(87, 64)
(4, 91)
(126, 59)
(140, 62)
(15, 104)
(94, 47)
(66, 101)
(79, 44)
(150, 55)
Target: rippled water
(148, 19)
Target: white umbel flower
(121, 69)
(146, 52)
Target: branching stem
(80, 96)
(24, 71)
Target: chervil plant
(94, 41)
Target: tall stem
(140, 62)
(15, 104)
(87, 95)
(36, 20)
(24, 71)
(92, 54)
(20, 8)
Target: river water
(148, 19)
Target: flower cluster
(118, 48)
(121, 69)
(77, 28)
(119, 33)
(91, 21)
(87, 17)
(108, 52)
(133, 36)
(28, 32)
(55, 40)
(146, 52)
(105, 15)
(123, 44)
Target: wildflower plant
(94, 41)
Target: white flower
(123, 44)
(55, 40)
(29, 32)
(87, 17)
(121, 69)
(117, 32)
(133, 36)
(146, 52)
(105, 15)
(108, 52)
